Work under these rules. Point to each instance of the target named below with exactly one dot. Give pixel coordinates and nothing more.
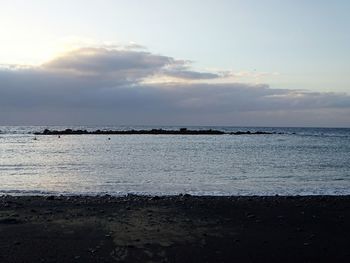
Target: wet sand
(174, 229)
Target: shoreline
(180, 228)
(62, 195)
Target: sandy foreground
(174, 229)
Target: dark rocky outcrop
(182, 131)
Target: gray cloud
(190, 75)
(104, 86)
(101, 60)
(120, 65)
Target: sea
(299, 161)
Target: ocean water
(302, 161)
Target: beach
(174, 131)
(180, 228)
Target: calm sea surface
(301, 161)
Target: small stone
(312, 236)
(251, 216)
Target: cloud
(124, 65)
(101, 85)
(133, 45)
(190, 75)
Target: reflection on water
(311, 161)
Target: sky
(185, 62)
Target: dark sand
(175, 229)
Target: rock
(181, 131)
(251, 215)
(10, 221)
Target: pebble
(251, 216)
